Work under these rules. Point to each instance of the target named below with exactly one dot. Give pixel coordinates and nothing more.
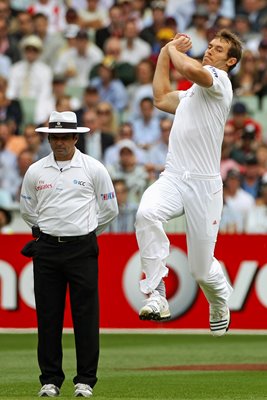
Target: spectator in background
(110, 88)
(149, 33)
(231, 220)
(241, 118)
(256, 11)
(257, 215)
(237, 198)
(261, 154)
(77, 62)
(146, 127)
(93, 17)
(24, 160)
(124, 223)
(111, 155)
(59, 86)
(8, 44)
(124, 70)
(95, 142)
(11, 141)
(245, 146)
(141, 88)
(246, 82)
(158, 152)
(198, 31)
(30, 78)
(90, 99)
(251, 180)
(241, 26)
(55, 11)
(135, 175)
(10, 110)
(52, 42)
(182, 11)
(8, 164)
(133, 48)
(37, 144)
(113, 29)
(107, 117)
(261, 89)
(24, 26)
(5, 219)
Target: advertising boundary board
(243, 257)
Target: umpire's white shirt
(73, 202)
(198, 127)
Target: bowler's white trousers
(200, 198)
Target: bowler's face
(63, 145)
(217, 54)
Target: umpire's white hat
(62, 122)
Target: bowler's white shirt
(73, 202)
(198, 128)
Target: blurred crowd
(97, 58)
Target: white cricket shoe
(83, 390)
(49, 390)
(157, 308)
(219, 320)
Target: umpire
(67, 198)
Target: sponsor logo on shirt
(77, 182)
(107, 196)
(44, 186)
(214, 72)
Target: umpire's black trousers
(56, 267)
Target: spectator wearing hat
(111, 154)
(30, 78)
(257, 216)
(67, 198)
(235, 197)
(77, 62)
(127, 168)
(240, 118)
(110, 88)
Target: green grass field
(127, 362)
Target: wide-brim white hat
(62, 122)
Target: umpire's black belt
(63, 239)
